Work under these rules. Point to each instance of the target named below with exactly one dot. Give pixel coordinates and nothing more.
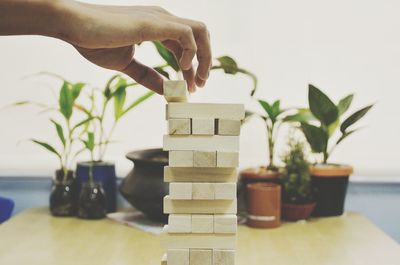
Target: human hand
(106, 36)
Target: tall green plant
(330, 121)
(66, 130)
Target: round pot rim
(262, 186)
(96, 163)
(255, 173)
(331, 170)
(142, 155)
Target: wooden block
(202, 223)
(225, 224)
(205, 110)
(180, 158)
(180, 223)
(201, 256)
(199, 206)
(184, 174)
(178, 256)
(204, 158)
(164, 259)
(179, 126)
(228, 127)
(203, 191)
(208, 241)
(223, 257)
(225, 191)
(201, 142)
(227, 159)
(175, 91)
(180, 191)
(203, 126)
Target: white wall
(340, 46)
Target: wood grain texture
(203, 191)
(184, 174)
(223, 257)
(205, 110)
(201, 142)
(228, 127)
(225, 223)
(180, 223)
(34, 237)
(202, 223)
(207, 241)
(178, 256)
(201, 257)
(204, 158)
(227, 159)
(180, 158)
(199, 206)
(175, 90)
(180, 190)
(179, 126)
(203, 126)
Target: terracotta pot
(263, 205)
(254, 175)
(329, 184)
(295, 212)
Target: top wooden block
(205, 111)
(175, 91)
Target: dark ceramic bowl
(144, 186)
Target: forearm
(53, 18)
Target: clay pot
(295, 212)
(254, 175)
(144, 186)
(263, 205)
(329, 184)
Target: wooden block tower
(203, 146)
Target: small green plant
(274, 117)
(295, 174)
(66, 130)
(329, 116)
(89, 146)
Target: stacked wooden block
(203, 146)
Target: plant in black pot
(297, 199)
(63, 196)
(92, 200)
(147, 174)
(329, 180)
(104, 111)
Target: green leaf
(332, 127)
(345, 135)
(83, 122)
(76, 90)
(138, 101)
(107, 90)
(302, 115)
(89, 143)
(60, 131)
(66, 100)
(316, 137)
(268, 109)
(161, 71)
(354, 118)
(344, 104)
(119, 101)
(47, 147)
(321, 106)
(168, 57)
(276, 108)
(228, 64)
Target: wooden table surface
(35, 238)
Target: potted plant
(63, 195)
(92, 200)
(297, 199)
(147, 173)
(106, 109)
(329, 180)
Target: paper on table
(137, 220)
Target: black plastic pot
(144, 186)
(329, 184)
(63, 195)
(92, 201)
